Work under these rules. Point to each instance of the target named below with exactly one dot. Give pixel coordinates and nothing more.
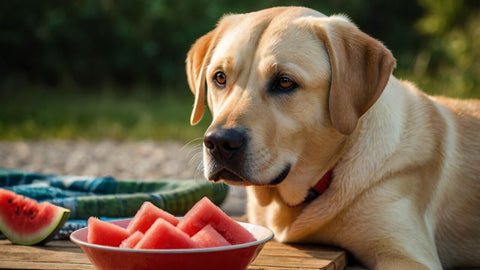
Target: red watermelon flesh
(104, 233)
(209, 237)
(205, 225)
(163, 235)
(146, 216)
(25, 221)
(205, 212)
(132, 240)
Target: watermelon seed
(9, 200)
(17, 211)
(32, 214)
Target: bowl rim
(268, 237)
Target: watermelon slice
(205, 225)
(163, 235)
(146, 216)
(209, 237)
(132, 240)
(204, 212)
(104, 233)
(26, 222)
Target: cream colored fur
(405, 192)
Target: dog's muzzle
(226, 148)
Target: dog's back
(433, 164)
(458, 217)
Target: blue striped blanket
(107, 197)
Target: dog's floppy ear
(197, 60)
(195, 67)
(361, 67)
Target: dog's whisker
(192, 144)
(195, 158)
(199, 171)
(191, 148)
(193, 141)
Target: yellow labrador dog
(332, 147)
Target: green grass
(42, 113)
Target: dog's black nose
(223, 144)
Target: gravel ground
(146, 160)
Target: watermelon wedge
(104, 233)
(163, 235)
(209, 237)
(204, 212)
(146, 216)
(26, 222)
(132, 240)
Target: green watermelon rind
(41, 237)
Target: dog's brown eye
(284, 85)
(220, 79)
(285, 82)
(281, 85)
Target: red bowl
(234, 257)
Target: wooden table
(67, 256)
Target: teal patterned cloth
(107, 197)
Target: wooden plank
(282, 257)
(58, 255)
(19, 265)
(55, 255)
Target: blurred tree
(92, 42)
(125, 42)
(450, 57)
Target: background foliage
(64, 64)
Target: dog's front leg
(397, 263)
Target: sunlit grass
(40, 113)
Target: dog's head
(286, 87)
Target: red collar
(318, 189)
